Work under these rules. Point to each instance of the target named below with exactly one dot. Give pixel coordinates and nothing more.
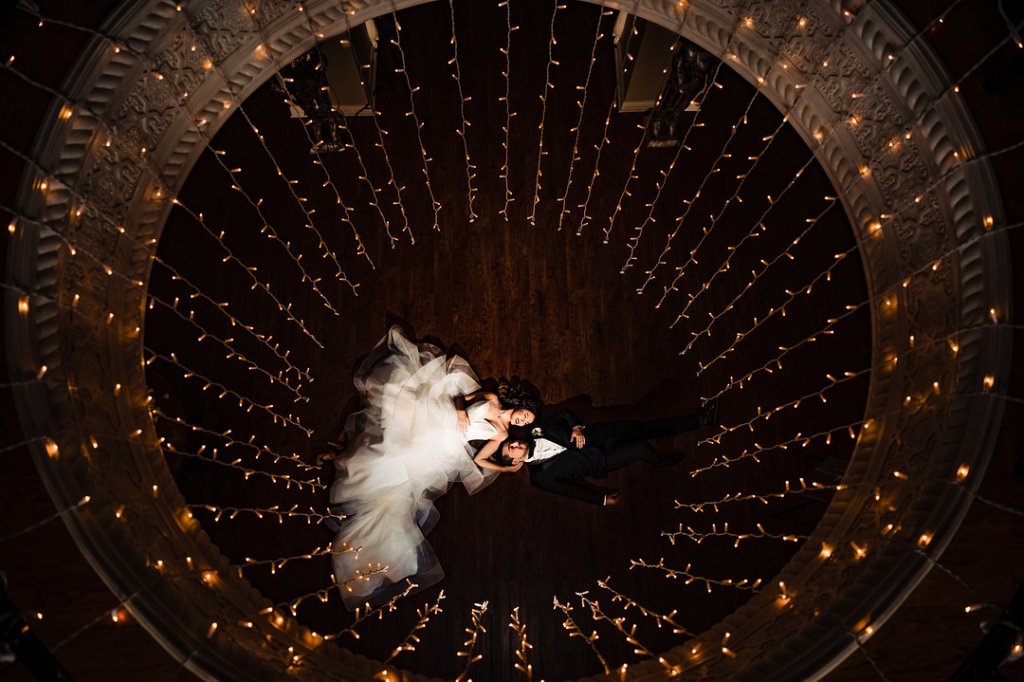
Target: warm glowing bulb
(962, 471)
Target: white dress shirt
(544, 449)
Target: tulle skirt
(404, 451)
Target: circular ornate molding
(862, 90)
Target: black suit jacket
(556, 474)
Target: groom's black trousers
(625, 442)
(609, 446)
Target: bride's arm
(483, 460)
(462, 401)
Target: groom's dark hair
(504, 460)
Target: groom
(562, 450)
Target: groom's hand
(577, 437)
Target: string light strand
(690, 578)
(574, 630)
(404, 70)
(760, 497)
(461, 131)
(412, 639)
(548, 85)
(470, 646)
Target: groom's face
(516, 450)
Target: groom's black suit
(609, 446)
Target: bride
(407, 445)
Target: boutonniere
(537, 432)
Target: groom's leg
(627, 453)
(613, 434)
(551, 481)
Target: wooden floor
(552, 306)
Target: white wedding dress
(404, 450)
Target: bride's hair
(515, 395)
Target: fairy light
(979, 604)
(800, 439)
(113, 225)
(227, 344)
(688, 578)
(222, 307)
(826, 274)
(269, 231)
(365, 612)
(638, 231)
(470, 646)
(413, 638)
(104, 616)
(698, 537)
(229, 440)
(314, 148)
(706, 231)
(278, 563)
(792, 404)
(461, 130)
(760, 497)
(364, 173)
(225, 392)
(509, 114)
(628, 632)
(574, 630)
(786, 253)
(581, 104)
(775, 362)
(322, 595)
(523, 646)
(632, 174)
(634, 240)
(325, 251)
(403, 69)
(257, 283)
(604, 140)
(52, 517)
(392, 182)
(275, 512)
(548, 85)
(659, 619)
(735, 196)
(247, 472)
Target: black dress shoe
(709, 413)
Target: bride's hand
(462, 421)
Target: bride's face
(521, 417)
